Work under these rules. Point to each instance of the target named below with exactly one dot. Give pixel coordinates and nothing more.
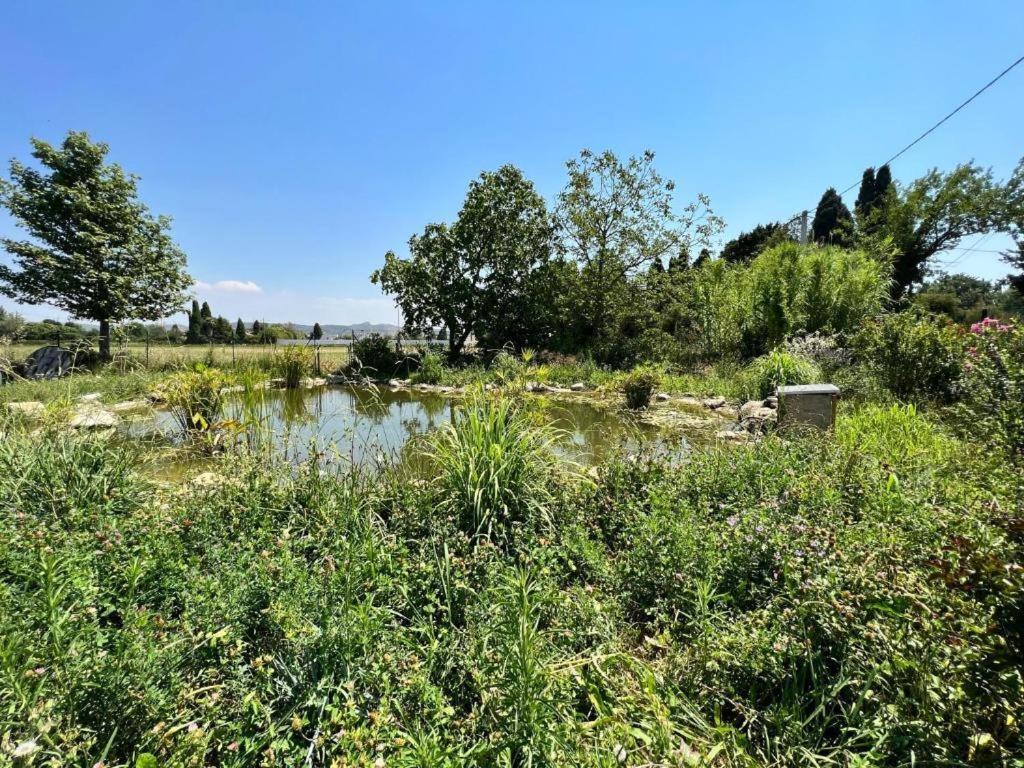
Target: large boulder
(49, 363)
(91, 416)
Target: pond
(356, 424)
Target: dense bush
(776, 369)
(430, 370)
(913, 355)
(374, 356)
(196, 399)
(291, 364)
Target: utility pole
(803, 228)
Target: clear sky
(294, 143)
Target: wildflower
(26, 748)
(732, 521)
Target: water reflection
(363, 424)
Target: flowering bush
(994, 384)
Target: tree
(939, 209)
(749, 244)
(614, 218)
(97, 253)
(10, 323)
(680, 260)
(257, 328)
(222, 330)
(472, 276)
(1016, 260)
(833, 223)
(174, 335)
(240, 331)
(442, 334)
(317, 333)
(194, 335)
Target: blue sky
(295, 143)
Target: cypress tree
(194, 333)
(833, 222)
(240, 330)
(867, 194)
(318, 332)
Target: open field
(162, 356)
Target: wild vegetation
(851, 597)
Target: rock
(49, 363)
(750, 407)
(771, 402)
(446, 389)
(129, 405)
(156, 398)
(713, 402)
(579, 386)
(91, 397)
(232, 390)
(733, 436)
(31, 408)
(335, 379)
(662, 397)
(314, 381)
(395, 384)
(275, 383)
(89, 416)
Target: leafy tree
(702, 258)
(10, 323)
(174, 334)
(614, 218)
(939, 209)
(1016, 260)
(240, 331)
(317, 333)
(749, 244)
(680, 260)
(222, 330)
(257, 328)
(98, 252)
(967, 292)
(833, 223)
(472, 276)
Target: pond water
(359, 424)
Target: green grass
(827, 600)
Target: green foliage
(777, 369)
(374, 356)
(292, 363)
(431, 369)
(935, 212)
(993, 385)
(832, 223)
(99, 253)
(914, 356)
(473, 276)
(639, 386)
(493, 469)
(747, 245)
(196, 399)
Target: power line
(975, 95)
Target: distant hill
(360, 329)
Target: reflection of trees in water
(370, 403)
(295, 407)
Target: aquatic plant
(196, 399)
(639, 386)
(291, 364)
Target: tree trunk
(105, 341)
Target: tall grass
(196, 399)
(494, 466)
(292, 363)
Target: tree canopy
(747, 245)
(96, 252)
(472, 276)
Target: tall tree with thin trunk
(833, 222)
(96, 252)
(614, 218)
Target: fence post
(147, 349)
(232, 353)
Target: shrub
(913, 355)
(776, 369)
(639, 386)
(431, 369)
(494, 465)
(653, 345)
(993, 385)
(508, 369)
(291, 364)
(373, 355)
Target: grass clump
(494, 468)
(291, 364)
(639, 386)
(777, 369)
(196, 399)
(431, 369)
